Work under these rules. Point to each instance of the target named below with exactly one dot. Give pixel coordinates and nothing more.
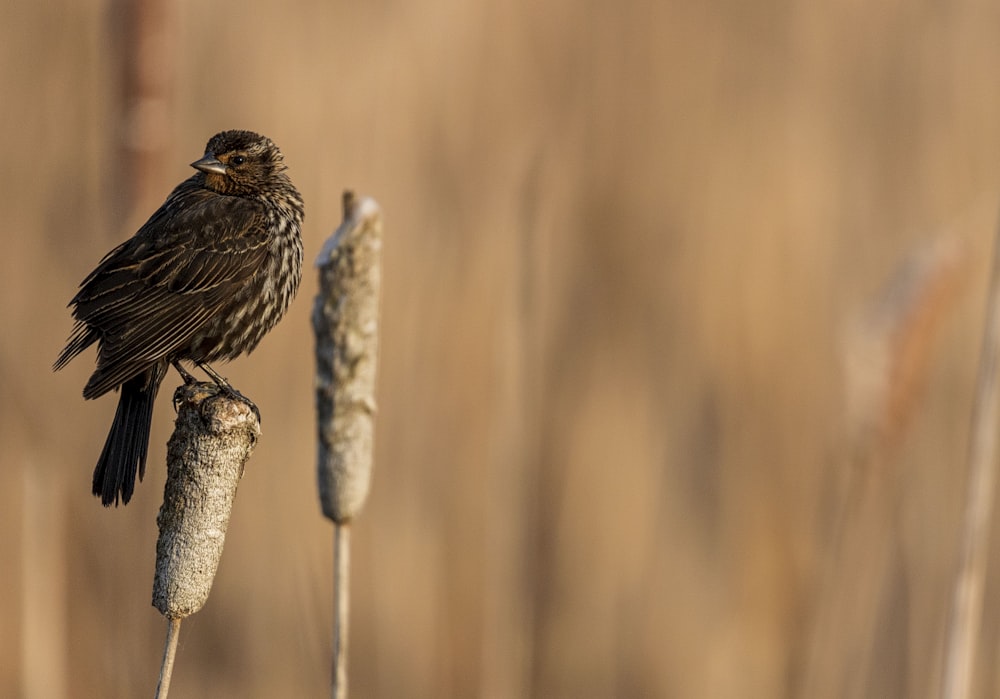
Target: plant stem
(967, 602)
(169, 652)
(341, 587)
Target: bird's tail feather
(124, 453)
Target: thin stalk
(169, 653)
(341, 591)
(967, 600)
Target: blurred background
(682, 307)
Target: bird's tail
(124, 453)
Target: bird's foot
(227, 388)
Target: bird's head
(240, 162)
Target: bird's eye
(237, 160)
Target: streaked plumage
(203, 280)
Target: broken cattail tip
(213, 437)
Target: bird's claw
(236, 395)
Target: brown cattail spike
(214, 435)
(345, 320)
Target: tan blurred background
(628, 247)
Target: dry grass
(621, 243)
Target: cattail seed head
(345, 320)
(214, 435)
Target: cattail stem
(169, 652)
(967, 600)
(345, 321)
(341, 591)
(887, 358)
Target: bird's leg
(219, 380)
(227, 388)
(185, 374)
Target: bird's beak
(209, 163)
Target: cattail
(213, 437)
(345, 320)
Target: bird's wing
(151, 294)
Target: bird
(203, 280)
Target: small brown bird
(203, 280)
